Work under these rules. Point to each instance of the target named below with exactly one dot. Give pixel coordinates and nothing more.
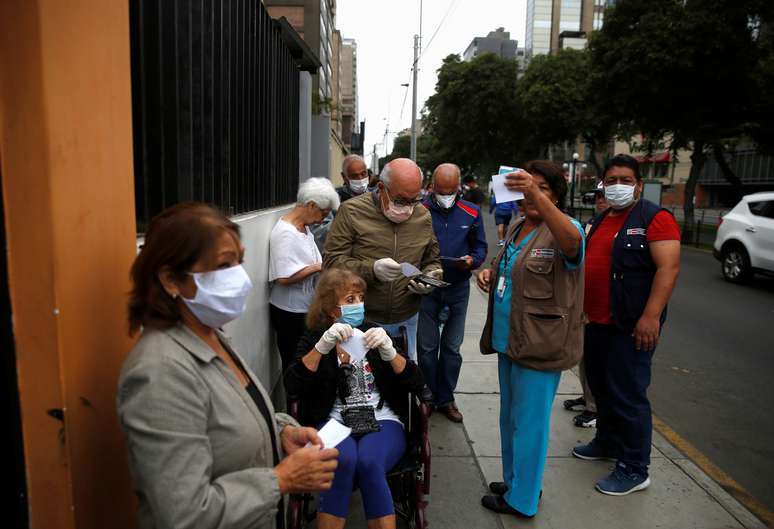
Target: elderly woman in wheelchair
(370, 395)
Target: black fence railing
(216, 106)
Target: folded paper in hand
(355, 346)
(502, 193)
(332, 433)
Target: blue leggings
(368, 459)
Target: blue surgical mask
(353, 314)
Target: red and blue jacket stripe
(460, 231)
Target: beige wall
(66, 155)
(338, 153)
(348, 90)
(294, 14)
(336, 83)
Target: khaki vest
(547, 319)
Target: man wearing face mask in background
(374, 233)
(355, 175)
(632, 263)
(354, 172)
(459, 229)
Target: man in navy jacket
(459, 228)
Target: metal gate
(215, 95)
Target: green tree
(560, 106)
(474, 118)
(682, 69)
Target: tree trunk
(698, 157)
(595, 158)
(728, 173)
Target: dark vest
(632, 269)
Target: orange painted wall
(66, 154)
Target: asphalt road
(713, 372)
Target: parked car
(744, 244)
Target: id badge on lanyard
(500, 292)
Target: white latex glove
(419, 288)
(377, 338)
(387, 269)
(338, 332)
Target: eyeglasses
(401, 201)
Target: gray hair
(348, 161)
(320, 192)
(385, 175)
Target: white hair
(348, 161)
(385, 175)
(320, 192)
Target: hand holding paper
(501, 191)
(355, 346)
(333, 433)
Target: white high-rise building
(538, 35)
(548, 19)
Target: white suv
(745, 240)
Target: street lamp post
(572, 165)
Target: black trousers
(619, 376)
(290, 327)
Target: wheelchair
(409, 479)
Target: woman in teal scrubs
(535, 325)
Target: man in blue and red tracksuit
(459, 228)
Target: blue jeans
(411, 329)
(367, 460)
(439, 352)
(619, 376)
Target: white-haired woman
(295, 263)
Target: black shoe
(587, 419)
(572, 404)
(498, 487)
(497, 503)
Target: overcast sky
(384, 31)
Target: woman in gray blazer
(205, 446)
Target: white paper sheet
(409, 270)
(333, 433)
(355, 346)
(502, 193)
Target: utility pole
(375, 161)
(414, 101)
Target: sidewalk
(467, 456)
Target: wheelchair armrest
(425, 396)
(426, 410)
(400, 341)
(294, 406)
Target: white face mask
(221, 295)
(619, 196)
(358, 186)
(446, 201)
